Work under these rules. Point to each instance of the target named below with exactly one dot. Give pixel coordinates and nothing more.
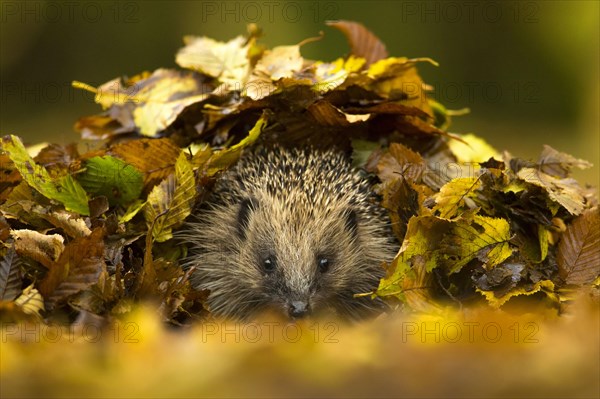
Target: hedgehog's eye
(268, 264)
(323, 264)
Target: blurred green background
(527, 70)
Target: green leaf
(361, 150)
(118, 181)
(155, 158)
(171, 201)
(484, 238)
(63, 189)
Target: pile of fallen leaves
(87, 228)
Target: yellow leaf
(30, 301)
(472, 149)
(132, 210)
(280, 62)
(546, 286)
(543, 235)
(484, 238)
(328, 76)
(226, 61)
(564, 191)
(170, 202)
(410, 271)
(398, 79)
(454, 196)
(423, 236)
(222, 159)
(392, 285)
(155, 99)
(112, 92)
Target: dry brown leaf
(155, 158)
(363, 43)
(578, 254)
(78, 268)
(43, 248)
(10, 275)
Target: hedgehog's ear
(351, 219)
(247, 206)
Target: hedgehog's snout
(298, 309)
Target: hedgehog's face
(303, 263)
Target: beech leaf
(10, 275)
(363, 43)
(171, 201)
(30, 301)
(63, 189)
(578, 254)
(43, 248)
(560, 164)
(483, 238)
(564, 191)
(155, 158)
(453, 198)
(280, 62)
(107, 176)
(546, 286)
(221, 160)
(78, 268)
(226, 61)
(472, 149)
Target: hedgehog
(297, 231)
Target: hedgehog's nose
(298, 309)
